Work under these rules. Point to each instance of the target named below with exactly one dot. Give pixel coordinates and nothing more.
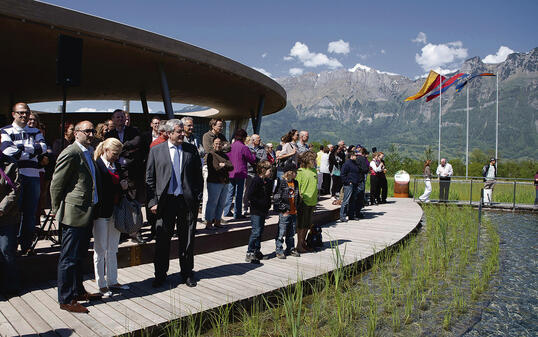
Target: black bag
(128, 216)
(314, 238)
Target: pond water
(511, 305)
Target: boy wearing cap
(286, 199)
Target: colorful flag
(461, 85)
(447, 84)
(433, 80)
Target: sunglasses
(87, 131)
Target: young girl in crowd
(308, 191)
(259, 195)
(286, 199)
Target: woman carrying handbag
(106, 236)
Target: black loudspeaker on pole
(68, 69)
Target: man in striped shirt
(24, 144)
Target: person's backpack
(314, 238)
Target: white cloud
(288, 58)
(86, 110)
(441, 55)
(264, 55)
(383, 51)
(338, 47)
(296, 71)
(501, 55)
(263, 71)
(303, 54)
(421, 38)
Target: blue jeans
(254, 242)
(349, 203)
(28, 200)
(75, 244)
(286, 231)
(216, 198)
(235, 188)
(8, 250)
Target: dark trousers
(8, 250)
(254, 242)
(176, 214)
(337, 185)
(325, 183)
(360, 198)
(75, 244)
(373, 189)
(444, 187)
(382, 188)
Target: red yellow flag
(433, 80)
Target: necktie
(176, 175)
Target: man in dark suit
(131, 157)
(174, 189)
(74, 197)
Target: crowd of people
(176, 177)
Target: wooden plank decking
(223, 277)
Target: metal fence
(508, 192)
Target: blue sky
(293, 37)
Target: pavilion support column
(144, 102)
(236, 124)
(165, 91)
(257, 123)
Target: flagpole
(467, 136)
(440, 97)
(497, 121)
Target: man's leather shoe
(190, 282)
(89, 297)
(74, 306)
(157, 282)
(138, 239)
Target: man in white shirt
(444, 171)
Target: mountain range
(366, 106)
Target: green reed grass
(434, 276)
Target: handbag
(7, 179)
(314, 238)
(128, 216)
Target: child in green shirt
(308, 190)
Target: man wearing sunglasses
(74, 197)
(24, 144)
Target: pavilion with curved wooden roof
(120, 62)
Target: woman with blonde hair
(106, 236)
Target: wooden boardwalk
(223, 277)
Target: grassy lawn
(503, 192)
